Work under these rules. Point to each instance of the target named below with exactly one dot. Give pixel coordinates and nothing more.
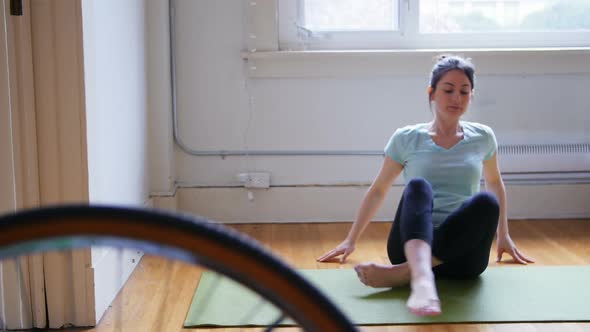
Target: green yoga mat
(503, 294)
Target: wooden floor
(159, 292)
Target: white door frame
(43, 157)
(8, 313)
(18, 172)
(7, 185)
(58, 59)
(20, 55)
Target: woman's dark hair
(446, 63)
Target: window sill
(387, 63)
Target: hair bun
(441, 57)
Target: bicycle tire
(191, 239)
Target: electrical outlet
(255, 179)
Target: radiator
(565, 163)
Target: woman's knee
(487, 203)
(419, 185)
(475, 270)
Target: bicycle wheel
(182, 237)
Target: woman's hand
(345, 248)
(506, 245)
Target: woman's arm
(373, 199)
(494, 184)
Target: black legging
(462, 242)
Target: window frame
(292, 38)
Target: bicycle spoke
(252, 312)
(276, 323)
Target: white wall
(116, 113)
(116, 100)
(221, 108)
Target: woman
(444, 226)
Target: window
(350, 15)
(433, 24)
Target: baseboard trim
(340, 204)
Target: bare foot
(381, 275)
(424, 300)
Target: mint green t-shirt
(454, 173)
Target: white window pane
(444, 16)
(350, 15)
